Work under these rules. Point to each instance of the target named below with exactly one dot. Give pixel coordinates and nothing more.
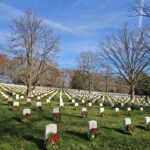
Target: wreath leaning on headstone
(84, 114)
(130, 129)
(102, 114)
(92, 134)
(130, 113)
(148, 126)
(54, 141)
(26, 117)
(56, 116)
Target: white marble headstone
(28, 100)
(48, 101)
(84, 109)
(101, 105)
(92, 124)
(15, 103)
(141, 109)
(127, 121)
(55, 110)
(147, 121)
(50, 128)
(38, 104)
(26, 110)
(6, 96)
(101, 110)
(21, 97)
(122, 104)
(83, 101)
(116, 109)
(61, 104)
(76, 104)
(90, 104)
(10, 99)
(129, 108)
(39, 97)
(17, 96)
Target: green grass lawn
(18, 135)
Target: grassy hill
(18, 135)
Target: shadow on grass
(33, 109)
(77, 116)
(5, 104)
(115, 129)
(140, 127)
(47, 117)
(39, 142)
(114, 115)
(70, 115)
(78, 134)
(17, 119)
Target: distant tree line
(103, 81)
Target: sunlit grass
(16, 134)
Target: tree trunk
(132, 92)
(106, 87)
(89, 86)
(29, 90)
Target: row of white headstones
(92, 124)
(39, 104)
(94, 97)
(52, 128)
(124, 98)
(127, 121)
(56, 110)
(39, 92)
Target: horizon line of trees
(103, 81)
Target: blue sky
(80, 24)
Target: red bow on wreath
(53, 139)
(131, 128)
(56, 115)
(27, 116)
(16, 107)
(93, 130)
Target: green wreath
(54, 141)
(91, 136)
(130, 113)
(130, 129)
(102, 114)
(54, 118)
(148, 126)
(26, 119)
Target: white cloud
(9, 11)
(105, 21)
(58, 25)
(83, 27)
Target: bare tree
(50, 77)
(141, 9)
(4, 61)
(107, 73)
(66, 75)
(129, 55)
(88, 62)
(34, 44)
